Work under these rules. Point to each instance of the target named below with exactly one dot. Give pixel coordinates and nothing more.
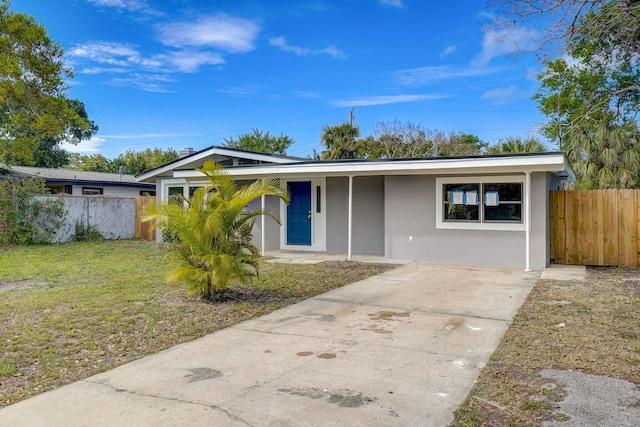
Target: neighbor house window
(174, 192)
(491, 203)
(91, 191)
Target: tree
(400, 140)
(91, 162)
(137, 162)
(49, 154)
(605, 156)
(131, 162)
(457, 144)
(514, 145)
(600, 73)
(34, 110)
(260, 143)
(212, 231)
(340, 141)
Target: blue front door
(299, 213)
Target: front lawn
(70, 311)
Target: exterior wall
(272, 229)
(368, 215)
(411, 231)
(113, 217)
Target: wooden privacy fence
(143, 229)
(595, 227)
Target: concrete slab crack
(172, 399)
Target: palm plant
(514, 145)
(340, 141)
(605, 156)
(211, 232)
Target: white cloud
(100, 70)
(394, 3)
(119, 58)
(448, 51)
(190, 61)
(241, 91)
(383, 100)
(84, 147)
(501, 95)
(107, 53)
(428, 75)
(280, 42)
(146, 82)
(498, 43)
(129, 5)
(220, 31)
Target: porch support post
(262, 225)
(527, 220)
(350, 215)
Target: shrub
(24, 218)
(210, 234)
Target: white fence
(113, 217)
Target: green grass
(69, 311)
(598, 332)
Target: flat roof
(502, 163)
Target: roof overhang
(512, 164)
(215, 153)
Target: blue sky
(189, 73)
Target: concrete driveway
(400, 349)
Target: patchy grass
(591, 326)
(70, 311)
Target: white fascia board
(545, 163)
(198, 157)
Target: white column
(350, 215)
(262, 224)
(527, 220)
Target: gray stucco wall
(272, 229)
(410, 211)
(368, 215)
(113, 217)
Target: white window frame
(460, 225)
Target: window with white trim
(490, 203)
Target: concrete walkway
(400, 349)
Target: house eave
(549, 162)
(198, 157)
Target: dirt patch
(21, 285)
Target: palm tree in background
(210, 244)
(606, 155)
(340, 141)
(514, 145)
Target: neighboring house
(490, 210)
(77, 183)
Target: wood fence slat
(144, 229)
(559, 216)
(595, 227)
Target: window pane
(508, 192)
(503, 212)
(176, 190)
(455, 207)
(509, 208)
